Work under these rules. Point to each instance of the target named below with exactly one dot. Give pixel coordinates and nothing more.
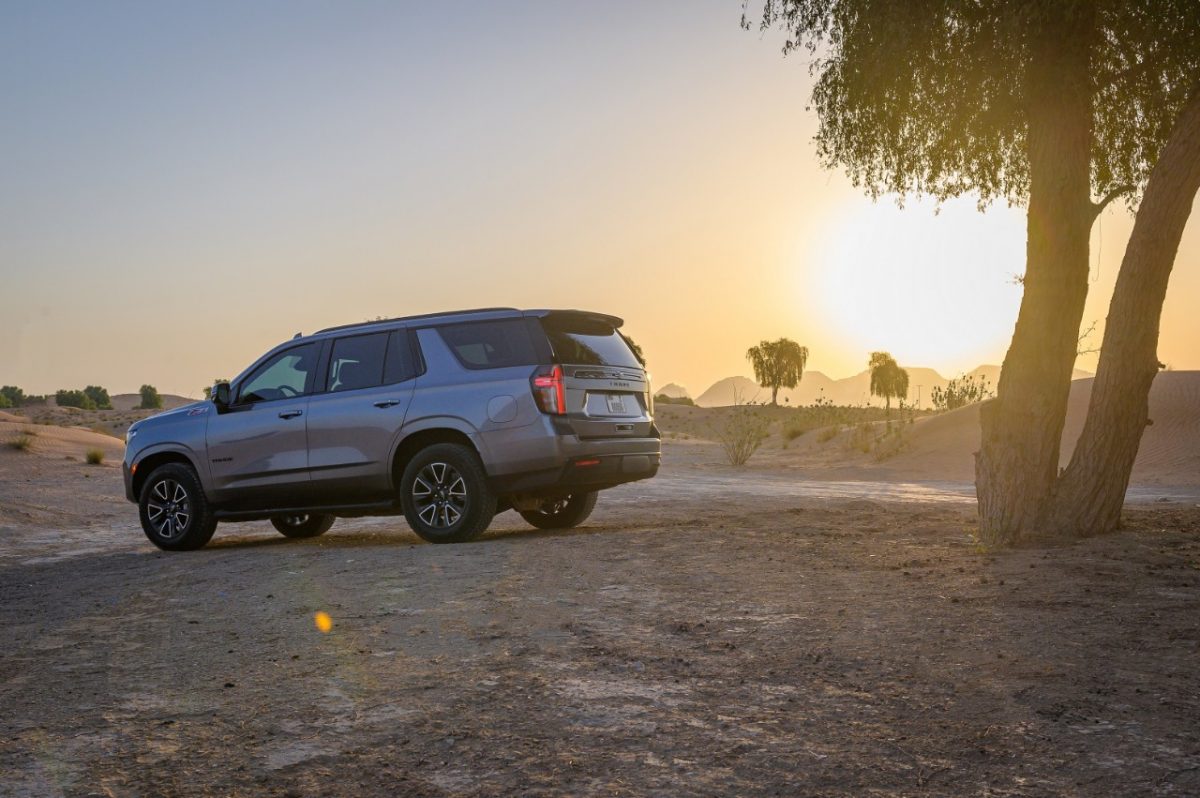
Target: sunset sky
(184, 185)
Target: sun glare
(935, 289)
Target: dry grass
(22, 443)
(95, 456)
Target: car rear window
(490, 344)
(587, 342)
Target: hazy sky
(184, 185)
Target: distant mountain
(854, 390)
(673, 390)
(733, 390)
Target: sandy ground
(700, 635)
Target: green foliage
(80, 399)
(933, 97)
(663, 399)
(12, 395)
(95, 456)
(99, 397)
(150, 398)
(961, 391)
(888, 380)
(778, 364)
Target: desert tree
(1060, 105)
(151, 400)
(888, 380)
(778, 364)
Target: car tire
(445, 494)
(563, 513)
(302, 525)
(174, 511)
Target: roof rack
(411, 318)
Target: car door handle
(387, 403)
(290, 413)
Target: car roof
(450, 317)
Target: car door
(354, 422)
(258, 447)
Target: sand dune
(56, 442)
(943, 446)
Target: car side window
(490, 344)
(357, 362)
(286, 375)
(401, 363)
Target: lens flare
(323, 621)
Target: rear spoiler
(584, 315)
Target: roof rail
(411, 318)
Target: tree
(150, 398)
(888, 380)
(99, 397)
(14, 395)
(778, 364)
(80, 399)
(1046, 103)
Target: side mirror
(220, 395)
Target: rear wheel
(302, 525)
(446, 495)
(174, 510)
(562, 513)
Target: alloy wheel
(440, 495)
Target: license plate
(616, 405)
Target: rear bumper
(593, 464)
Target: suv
(447, 418)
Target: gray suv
(447, 418)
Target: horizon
(178, 203)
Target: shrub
(961, 391)
(99, 396)
(150, 398)
(95, 456)
(5, 401)
(743, 431)
(22, 442)
(79, 399)
(828, 433)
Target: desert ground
(818, 622)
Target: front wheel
(562, 513)
(302, 525)
(174, 510)
(445, 494)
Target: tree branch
(1098, 207)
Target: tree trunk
(1091, 491)
(774, 393)
(1017, 463)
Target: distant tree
(888, 380)
(99, 397)
(14, 395)
(80, 399)
(778, 364)
(150, 398)
(5, 401)
(1061, 106)
(208, 388)
(633, 347)
(961, 391)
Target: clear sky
(184, 185)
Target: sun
(934, 288)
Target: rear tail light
(548, 390)
(649, 396)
